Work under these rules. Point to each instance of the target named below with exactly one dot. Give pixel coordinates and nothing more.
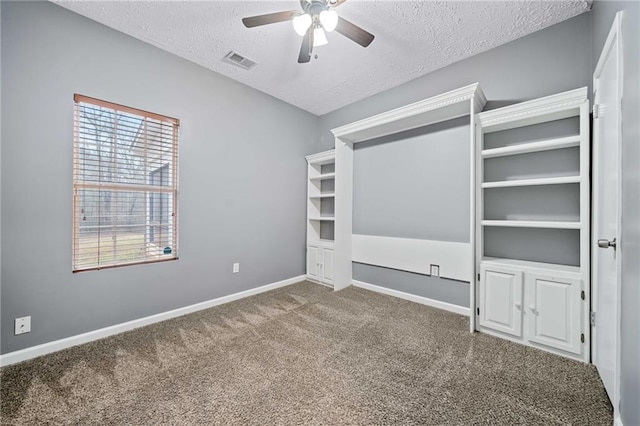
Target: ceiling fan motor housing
(314, 7)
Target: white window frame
(171, 189)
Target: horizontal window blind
(125, 185)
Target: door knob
(604, 243)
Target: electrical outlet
(23, 325)
(435, 270)
(236, 268)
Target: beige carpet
(305, 355)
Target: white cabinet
(320, 263)
(501, 299)
(554, 311)
(532, 223)
(313, 262)
(320, 216)
(327, 266)
(534, 304)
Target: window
(125, 185)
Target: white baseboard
(617, 421)
(315, 281)
(57, 345)
(413, 298)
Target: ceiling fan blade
(269, 18)
(354, 32)
(307, 47)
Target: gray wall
(553, 60)
(603, 14)
(450, 291)
(241, 169)
(414, 184)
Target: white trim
(461, 310)
(67, 342)
(320, 283)
(445, 106)
(617, 421)
(613, 43)
(414, 255)
(473, 149)
(532, 344)
(554, 107)
(325, 157)
(343, 228)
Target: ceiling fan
(317, 16)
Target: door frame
(613, 43)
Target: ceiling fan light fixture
(301, 23)
(329, 20)
(319, 37)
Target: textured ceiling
(413, 38)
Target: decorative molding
(463, 94)
(57, 345)
(547, 105)
(617, 421)
(321, 156)
(461, 310)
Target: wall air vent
(239, 60)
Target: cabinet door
(327, 265)
(501, 299)
(554, 306)
(313, 262)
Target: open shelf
(556, 203)
(326, 195)
(532, 182)
(325, 218)
(546, 145)
(529, 264)
(323, 177)
(532, 224)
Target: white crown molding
(461, 310)
(321, 156)
(382, 123)
(521, 111)
(57, 345)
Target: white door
(313, 262)
(607, 83)
(501, 299)
(555, 312)
(327, 265)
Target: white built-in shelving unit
(320, 216)
(532, 223)
(455, 259)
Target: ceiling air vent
(239, 60)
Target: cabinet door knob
(518, 306)
(533, 309)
